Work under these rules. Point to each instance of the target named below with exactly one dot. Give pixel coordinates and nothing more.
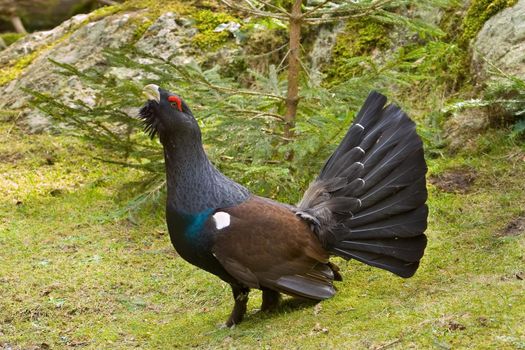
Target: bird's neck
(194, 184)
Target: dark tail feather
(368, 115)
(368, 203)
(397, 266)
(405, 249)
(408, 224)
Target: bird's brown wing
(266, 245)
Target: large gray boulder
(80, 42)
(83, 48)
(501, 42)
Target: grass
(72, 275)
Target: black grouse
(367, 204)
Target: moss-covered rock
(79, 42)
(463, 127)
(359, 38)
(265, 46)
(21, 54)
(206, 21)
(166, 37)
(141, 24)
(501, 44)
(478, 13)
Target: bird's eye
(175, 102)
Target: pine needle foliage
(509, 96)
(504, 98)
(243, 128)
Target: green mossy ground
(75, 274)
(72, 275)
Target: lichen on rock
(478, 13)
(167, 38)
(500, 44)
(464, 126)
(29, 61)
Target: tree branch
(202, 80)
(245, 92)
(284, 59)
(307, 13)
(277, 8)
(108, 2)
(266, 53)
(254, 12)
(294, 67)
(18, 25)
(258, 114)
(346, 13)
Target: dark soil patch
(457, 180)
(10, 157)
(513, 228)
(455, 326)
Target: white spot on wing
(222, 220)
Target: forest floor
(74, 274)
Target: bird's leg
(240, 296)
(335, 270)
(270, 300)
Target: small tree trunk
(294, 67)
(19, 26)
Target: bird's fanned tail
(368, 203)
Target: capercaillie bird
(367, 204)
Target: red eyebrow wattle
(176, 100)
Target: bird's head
(166, 114)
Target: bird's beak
(152, 92)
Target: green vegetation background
(80, 269)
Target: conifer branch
(199, 79)
(252, 11)
(267, 53)
(321, 5)
(270, 5)
(348, 11)
(258, 113)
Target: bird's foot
(233, 320)
(270, 300)
(226, 326)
